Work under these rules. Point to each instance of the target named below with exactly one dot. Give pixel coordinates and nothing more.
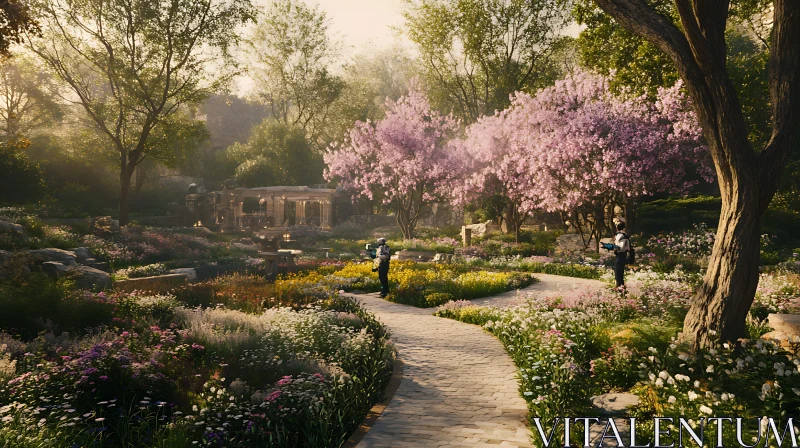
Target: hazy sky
(358, 23)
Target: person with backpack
(383, 255)
(624, 253)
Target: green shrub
(437, 298)
(566, 270)
(33, 302)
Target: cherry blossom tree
(403, 159)
(576, 148)
(490, 166)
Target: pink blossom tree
(577, 149)
(402, 160)
(490, 167)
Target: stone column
(300, 213)
(280, 205)
(325, 213)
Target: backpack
(631, 250)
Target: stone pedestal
(466, 236)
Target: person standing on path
(383, 254)
(623, 243)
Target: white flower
(659, 382)
(706, 410)
(672, 399)
(710, 369)
(692, 395)
(663, 374)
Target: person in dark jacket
(383, 254)
(623, 246)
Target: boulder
(785, 323)
(62, 256)
(189, 273)
(83, 253)
(784, 340)
(443, 258)
(84, 276)
(12, 228)
(91, 262)
(90, 278)
(614, 404)
(55, 269)
(104, 226)
(416, 255)
(482, 228)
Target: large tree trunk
(720, 308)
(747, 179)
(514, 219)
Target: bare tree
(748, 178)
(132, 64)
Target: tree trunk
(720, 307)
(405, 222)
(599, 226)
(124, 198)
(514, 220)
(141, 177)
(748, 179)
(630, 214)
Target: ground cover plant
(539, 264)
(142, 370)
(571, 346)
(417, 284)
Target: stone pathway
(547, 285)
(459, 385)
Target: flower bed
(149, 270)
(422, 285)
(571, 346)
(539, 264)
(143, 245)
(155, 372)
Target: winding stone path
(459, 385)
(548, 285)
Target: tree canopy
(132, 65)
(276, 154)
(292, 54)
(476, 53)
(402, 160)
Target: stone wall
(158, 284)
